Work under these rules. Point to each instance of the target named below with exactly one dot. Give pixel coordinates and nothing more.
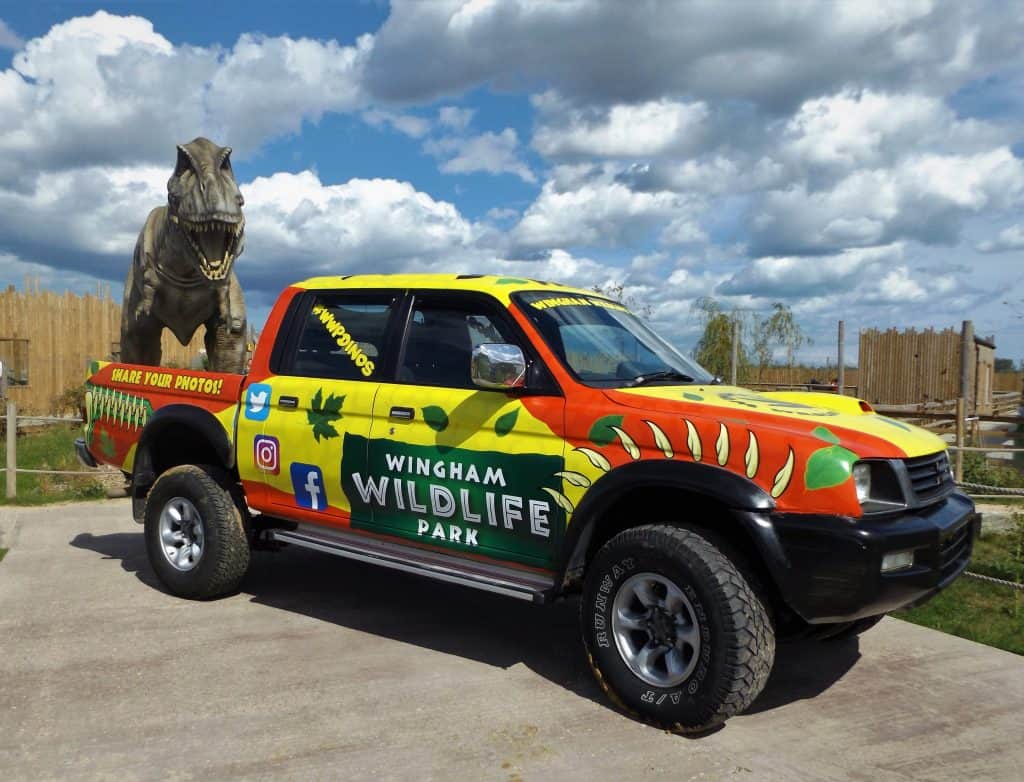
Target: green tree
(1004, 364)
(616, 292)
(779, 329)
(714, 348)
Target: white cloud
(923, 197)
(408, 124)
(868, 128)
(593, 212)
(639, 130)
(1011, 238)
(8, 38)
(109, 89)
(491, 153)
(455, 117)
(775, 53)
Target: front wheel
(673, 630)
(195, 538)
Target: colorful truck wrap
(537, 440)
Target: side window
(441, 339)
(343, 337)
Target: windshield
(605, 345)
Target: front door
(453, 466)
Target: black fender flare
(186, 416)
(749, 503)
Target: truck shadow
(475, 625)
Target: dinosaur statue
(181, 275)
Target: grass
(3, 551)
(987, 613)
(51, 448)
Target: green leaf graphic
(692, 397)
(322, 413)
(107, 447)
(435, 417)
(505, 423)
(829, 467)
(510, 281)
(824, 434)
(601, 432)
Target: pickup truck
(539, 441)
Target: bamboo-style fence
(47, 340)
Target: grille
(930, 477)
(955, 550)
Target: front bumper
(831, 565)
(82, 451)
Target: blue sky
(852, 160)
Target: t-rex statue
(181, 275)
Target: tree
(714, 348)
(779, 329)
(615, 292)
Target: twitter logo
(257, 402)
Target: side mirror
(498, 366)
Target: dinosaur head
(204, 202)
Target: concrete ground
(323, 669)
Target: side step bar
(437, 565)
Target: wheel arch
(704, 497)
(177, 434)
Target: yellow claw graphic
(560, 499)
(693, 440)
(784, 476)
(627, 442)
(753, 456)
(596, 459)
(722, 444)
(574, 478)
(661, 439)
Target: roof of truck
(498, 286)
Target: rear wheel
(673, 630)
(195, 538)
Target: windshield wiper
(662, 374)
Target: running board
(501, 580)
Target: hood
(773, 410)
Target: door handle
(288, 401)
(402, 413)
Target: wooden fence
(48, 338)
(899, 367)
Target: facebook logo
(308, 483)
(257, 402)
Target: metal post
(958, 470)
(735, 352)
(12, 444)
(840, 360)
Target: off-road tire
(225, 552)
(737, 640)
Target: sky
(857, 161)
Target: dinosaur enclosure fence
(47, 340)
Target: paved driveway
(323, 669)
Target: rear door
(457, 467)
(300, 418)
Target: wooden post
(841, 361)
(966, 358)
(735, 352)
(958, 470)
(12, 447)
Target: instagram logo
(265, 454)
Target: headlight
(878, 487)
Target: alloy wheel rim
(656, 630)
(182, 538)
